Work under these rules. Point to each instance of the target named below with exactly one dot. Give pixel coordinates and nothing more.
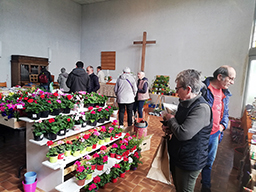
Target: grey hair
(191, 78)
(142, 73)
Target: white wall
(30, 27)
(189, 34)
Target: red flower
(35, 101)
(99, 110)
(42, 96)
(103, 147)
(49, 101)
(97, 106)
(117, 166)
(125, 159)
(127, 135)
(86, 136)
(25, 98)
(90, 108)
(96, 179)
(69, 97)
(30, 100)
(55, 94)
(49, 143)
(68, 119)
(93, 112)
(96, 155)
(109, 107)
(51, 120)
(92, 186)
(69, 142)
(105, 159)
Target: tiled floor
(224, 177)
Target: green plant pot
(67, 153)
(89, 176)
(83, 151)
(107, 139)
(53, 159)
(101, 142)
(76, 153)
(89, 148)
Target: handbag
(160, 166)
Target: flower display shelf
(70, 133)
(48, 178)
(69, 159)
(71, 184)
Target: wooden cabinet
(23, 66)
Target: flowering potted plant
(32, 108)
(115, 172)
(68, 102)
(120, 150)
(68, 122)
(68, 147)
(104, 179)
(83, 172)
(76, 147)
(56, 103)
(92, 117)
(112, 150)
(125, 165)
(38, 131)
(52, 154)
(101, 158)
(52, 128)
(60, 150)
(101, 116)
(136, 160)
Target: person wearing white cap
(125, 90)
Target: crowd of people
(195, 130)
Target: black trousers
(129, 108)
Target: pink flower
(80, 169)
(105, 159)
(109, 107)
(92, 186)
(114, 145)
(96, 133)
(129, 138)
(92, 112)
(106, 109)
(111, 128)
(90, 108)
(117, 166)
(96, 155)
(78, 163)
(123, 147)
(59, 101)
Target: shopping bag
(51, 87)
(160, 166)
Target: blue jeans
(212, 151)
(139, 105)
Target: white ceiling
(83, 2)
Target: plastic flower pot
(56, 112)
(53, 159)
(107, 139)
(80, 182)
(114, 180)
(101, 142)
(133, 168)
(61, 156)
(77, 127)
(29, 187)
(67, 153)
(127, 170)
(89, 176)
(38, 138)
(83, 151)
(93, 167)
(61, 132)
(112, 155)
(118, 156)
(94, 146)
(89, 148)
(122, 175)
(66, 110)
(30, 177)
(100, 167)
(45, 114)
(33, 115)
(76, 153)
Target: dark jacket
(78, 80)
(94, 83)
(191, 154)
(48, 75)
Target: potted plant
(56, 104)
(67, 101)
(112, 150)
(68, 147)
(76, 147)
(32, 108)
(52, 154)
(82, 173)
(120, 150)
(125, 165)
(52, 128)
(61, 150)
(136, 160)
(68, 122)
(38, 131)
(92, 117)
(104, 180)
(115, 172)
(101, 158)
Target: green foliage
(52, 152)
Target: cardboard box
(145, 145)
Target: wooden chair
(3, 84)
(33, 78)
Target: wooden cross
(144, 42)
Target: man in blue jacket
(216, 93)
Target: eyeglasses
(177, 88)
